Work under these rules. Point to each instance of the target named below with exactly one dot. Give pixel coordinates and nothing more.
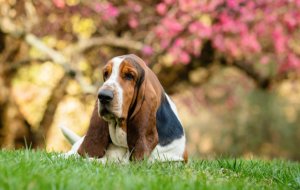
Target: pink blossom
(290, 21)
(147, 50)
(293, 61)
(179, 42)
(112, 11)
(134, 6)
(279, 39)
(185, 18)
(184, 57)
(161, 8)
(205, 32)
(164, 43)
(260, 28)
(169, 2)
(59, 3)
(218, 42)
(232, 4)
(270, 18)
(196, 44)
(194, 27)
(188, 5)
(232, 47)
(250, 41)
(159, 31)
(201, 30)
(265, 59)
(193, 46)
(246, 15)
(133, 22)
(107, 10)
(98, 7)
(228, 24)
(172, 25)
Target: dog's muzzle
(105, 96)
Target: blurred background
(231, 66)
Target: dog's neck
(118, 132)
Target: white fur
(114, 154)
(113, 83)
(75, 148)
(171, 152)
(117, 135)
(70, 135)
(173, 107)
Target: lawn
(27, 169)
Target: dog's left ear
(97, 138)
(142, 136)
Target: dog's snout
(105, 96)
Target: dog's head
(123, 78)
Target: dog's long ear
(142, 136)
(97, 138)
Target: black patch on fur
(167, 124)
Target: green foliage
(39, 170)
(265, 123)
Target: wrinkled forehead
(117, 62)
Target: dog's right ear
(97, 139)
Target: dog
(133, 118)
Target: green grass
(27, 169)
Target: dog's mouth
(106, 113)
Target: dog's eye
(128, 76)
(105, 75)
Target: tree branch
(51, 53)
(60, 59)
(14, 66)
(83, 45)
(261, 81)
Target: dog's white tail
(70, 135)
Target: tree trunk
(15, 131)
(57, 95)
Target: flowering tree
(241, 33)
(261, 38)
(257, 31)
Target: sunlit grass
(39, 170)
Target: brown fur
(128, 86)
(97, 138)
(185, 155)
(142, 136)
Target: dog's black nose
(105, 96)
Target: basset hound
(133, 118)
